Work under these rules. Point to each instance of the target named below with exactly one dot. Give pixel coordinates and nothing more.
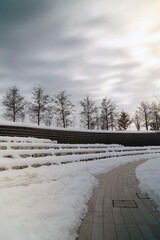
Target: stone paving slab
(138, 219)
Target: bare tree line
(61, 110)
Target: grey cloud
(49, 43)
(13, 14)
(17, 10)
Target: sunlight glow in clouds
(101, 48)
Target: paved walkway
(108, 218)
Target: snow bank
(49, 202)
(148, 175)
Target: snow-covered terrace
(45, 186)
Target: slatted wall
(67, 136)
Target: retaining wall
(70, 136)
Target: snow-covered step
(78, 152)
(60, 146)
(128, 149)
(36, 153)
(20, 153)
(43, 153)
(31, 147)
(47, 161)
(27, 145)
(3, 147)
(24, 140)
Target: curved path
(119, 211)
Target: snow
(22, 139)
(50, 202)
(148, 175)
(21, 152)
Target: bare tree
(63, 109)
(48, 116)
(108, 114)
(88, 112)
(113, 115)
(105, 113)
(137, 120)
(145, 113)
(14, 105)
(97, 119)
(39, 107)
(124, 121)
(155, 116)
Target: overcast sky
(101, 48)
